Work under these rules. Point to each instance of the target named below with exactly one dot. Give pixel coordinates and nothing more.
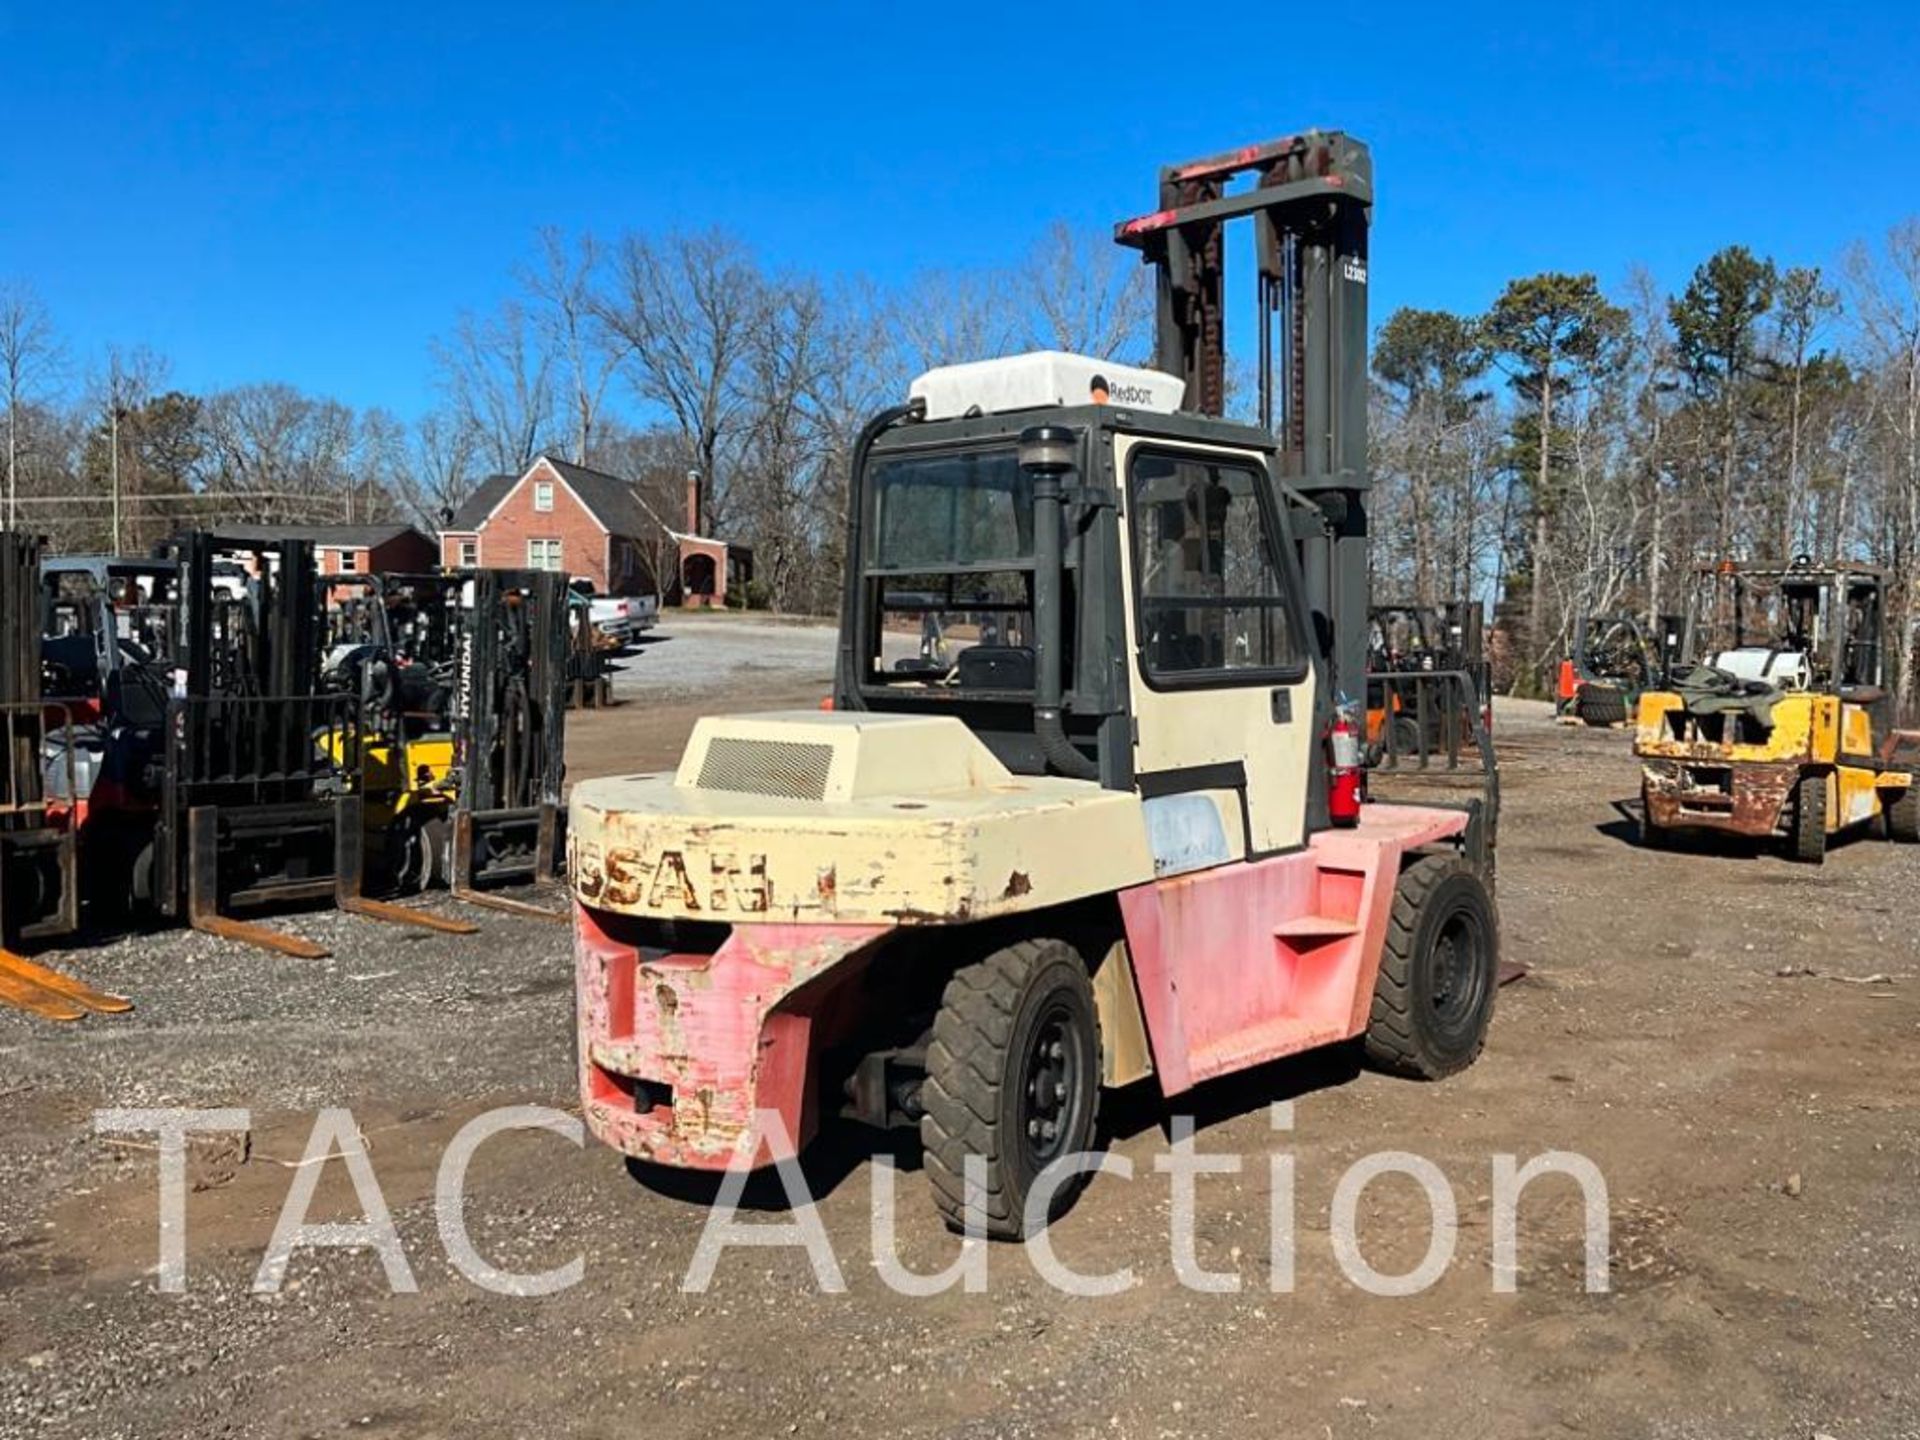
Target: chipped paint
(677, 1053)
(663, 847)
(1692, 781)
(1751, 799)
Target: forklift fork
(543, 865)
(349, 875)
(52, 995)
(203, 887)
(203, 894)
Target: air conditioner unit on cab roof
(1041, 379)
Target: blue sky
(312, 193)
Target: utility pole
(113, 446)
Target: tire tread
(1809, 834)
(961, 1100)
(1391, 1041)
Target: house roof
(349, 537)
(610, 499)
(475, 509)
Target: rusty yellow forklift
(1128, 844)
(1785, 728)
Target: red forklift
(1125, 838)
(41, 805)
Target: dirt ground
(1759, 1133)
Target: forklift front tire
(1439, 969)
(1013, 1076)
(1601, 705)
(1903, 815)
(1810, 818)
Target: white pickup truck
(624, 617)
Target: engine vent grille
(789, 769)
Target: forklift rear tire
(1809, 837)
(1013, 1076)
(1439, 970)
(1903, 816)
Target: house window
(469, 554)
(543, 496)
(349, 562)
(543, 555)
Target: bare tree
(129, 378)
(439, 472)
(561, 285)
(379, 469)
(1088, 296)
(29, 351)
(290, 455)
(685, 306)
(497, 375)
(1804, 304)
(948, 317)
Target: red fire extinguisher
(1346, 770)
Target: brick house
(391, 549)
(559, 516)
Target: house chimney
(693, 502)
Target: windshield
(951, 571)
(958, 509)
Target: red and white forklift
(1117, 828)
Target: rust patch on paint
(1738, 798)
(1017, 885)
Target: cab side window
(1210, 597)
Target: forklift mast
(235, 645)
(509, 712)
(1310, 197)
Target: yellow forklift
(462, 680)
(1784, 729)
(391, 641)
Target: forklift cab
(1798, 627)
(1115, 597)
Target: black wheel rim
(1052, 1086)
(1457, 972)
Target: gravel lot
(688, 655)
(1759, 1132)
